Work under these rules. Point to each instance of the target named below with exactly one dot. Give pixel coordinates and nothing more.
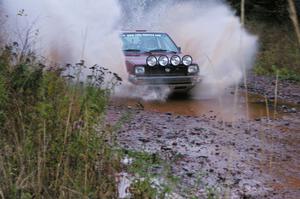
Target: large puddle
(227, 107)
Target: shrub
(279, 50)
(52, 141)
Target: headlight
(193, 69)
(151, 61)
(163, 60)
(139, 70)
(187, 60)
(175, 60)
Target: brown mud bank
(211, 143)
(287, 91)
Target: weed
(142, 188)
(49, 146)
(283, 73)
(153, 176)
(279, 50)
(212, 193)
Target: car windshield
(148, 42)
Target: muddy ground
(288, 91)
(257, 157)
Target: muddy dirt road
(239, 155)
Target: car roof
(141, 31)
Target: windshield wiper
(157, 50)
(132, 50)
(162, 50)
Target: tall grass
(52, 143)
(279, 50)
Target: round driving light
(187, 60)
(163, 60)
(151, 61)
(175, 60)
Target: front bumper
(174, 82)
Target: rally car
(152, 58)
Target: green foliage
(279, 51)
(143, 189)
(154, 178)
(53, 141)
(283, 73)
(148, 188)
(143, 162)
(267, 11)
(3, 99)
(49, 144)
(212, 193)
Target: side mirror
(179, 49)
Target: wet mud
(228, 107)
(240, 153)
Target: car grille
(160, 71)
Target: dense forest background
(266, 11)
(279, 50)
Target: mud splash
(68, 31)
(207, 30)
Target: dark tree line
(273, 11)
(265, 10)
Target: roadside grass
(153, 176)
(279, 50)
(283, 73)
(54, 141)
(51, 143)
(143, 162)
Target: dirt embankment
(288, 91)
